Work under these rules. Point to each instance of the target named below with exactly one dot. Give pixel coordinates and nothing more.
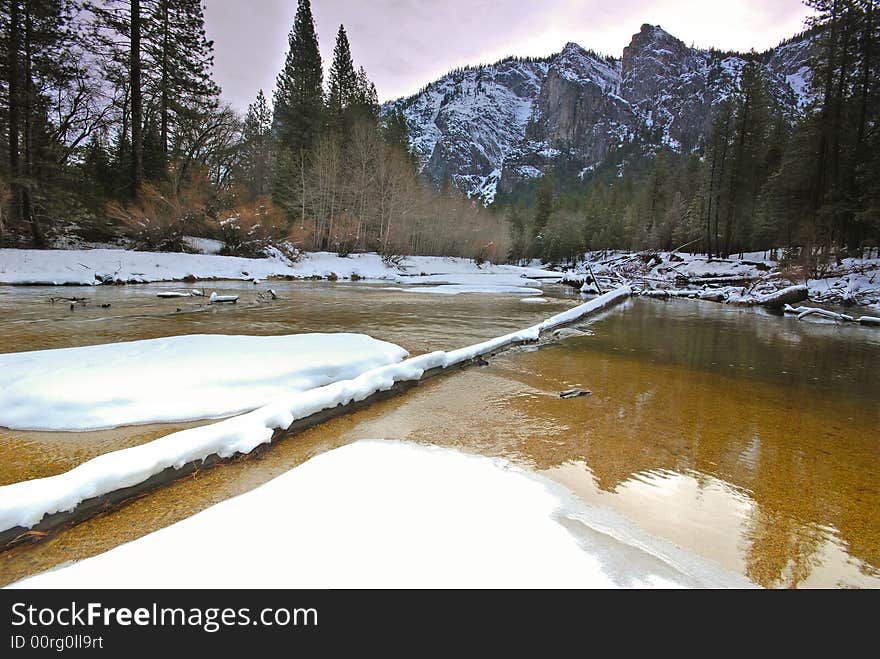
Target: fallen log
(790, 295)
(732, 279)
(803, 312)
(711, 296)
(222, 298)
(825, 314)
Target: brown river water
(748, 438)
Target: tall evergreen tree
(34, 39)
(343, 85)
(137, 107)
(256, 160)
(298, 111)
(366, 101)
(752, 123)
(181, 56)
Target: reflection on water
(419, 322)
(749, 439)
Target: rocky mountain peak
(651, 59)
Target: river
(748, 438)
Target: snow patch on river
(178, 378)
(386, 514)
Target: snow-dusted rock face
(464, 125)
(490, 127)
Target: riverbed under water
(748, 438)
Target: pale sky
(405, 44)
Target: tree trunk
(14, 107)
(709, 210)
(165, 77)
(819, 181)
(137, 119)
(302, 173)
(733, 193)
(867, 41)
(27, 211)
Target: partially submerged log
(222, 298)
(803, 312)
(790, 295)
(825, 314)
(728, 279)
(710, 295)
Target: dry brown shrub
(161, 215)
(251, 228)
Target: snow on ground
(26, 503)
(853, 281)
(387, 514)
(202, 245)
(95, 266)
(177, 378)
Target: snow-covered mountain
(487, 128)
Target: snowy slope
(381, 514)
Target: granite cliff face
(489, 128)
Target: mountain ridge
(490, 127)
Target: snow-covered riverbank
(89, 267)
(744, 281)
(383, 514)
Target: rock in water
(566, 333)
(574, 393)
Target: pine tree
(543, 204)
(343, 85)
(298, 112)
(157, 53)
(35, 58)
(751, 125)
(134, 81)
(366, 95)
(179, 84)
(256, 159)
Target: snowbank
(203, 245)
(179, 378)
(382, 514)
(748, 280)
(24, 504)
(95, 266)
